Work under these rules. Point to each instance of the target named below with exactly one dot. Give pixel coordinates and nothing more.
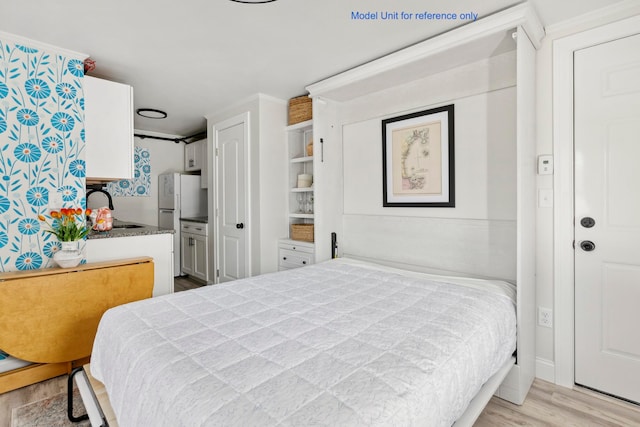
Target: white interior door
(607, 217)
(231, 191)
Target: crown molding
(620, 10)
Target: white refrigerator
(179, 196)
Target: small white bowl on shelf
(305, 180)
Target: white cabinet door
(189, 157)
(200, 258)
(108, 129)
(187, 252)
(193, 156)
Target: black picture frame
(418, 168)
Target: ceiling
(192, 58)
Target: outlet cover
(545, 317)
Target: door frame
(563, 187)
(214, 240)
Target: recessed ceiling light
(253, 1)
(151, 113)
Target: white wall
(273, 178)
(165, 156)
(545, 348)
(478, 235)
(484, 161)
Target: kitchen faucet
(94, 189)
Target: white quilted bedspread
(332, 344)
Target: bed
(342, 342)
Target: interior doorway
(607, 216)
(565, 235)
(231, 139)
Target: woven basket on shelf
(299, 109)
(303, 232)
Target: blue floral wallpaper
(141, 183)
(41, 149)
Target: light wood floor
(551, 405)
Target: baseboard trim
(545, 370)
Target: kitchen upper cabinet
(194, 155)
(108, 130)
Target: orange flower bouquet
(67, 224)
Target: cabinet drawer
(295, 247)
(292, 259)
(193, 228)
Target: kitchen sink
(126, 226)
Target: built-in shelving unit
(301, 199)
(294, 253)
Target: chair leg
(70, 398)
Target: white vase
(69, 256)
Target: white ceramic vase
(69, 256)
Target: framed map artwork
(418, 159)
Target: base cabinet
(186, 253)
(157, 246)
(294, 254)
(194, 247)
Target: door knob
(587, 245)
(587, 222)
(240, 226)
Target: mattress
(335, 343)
